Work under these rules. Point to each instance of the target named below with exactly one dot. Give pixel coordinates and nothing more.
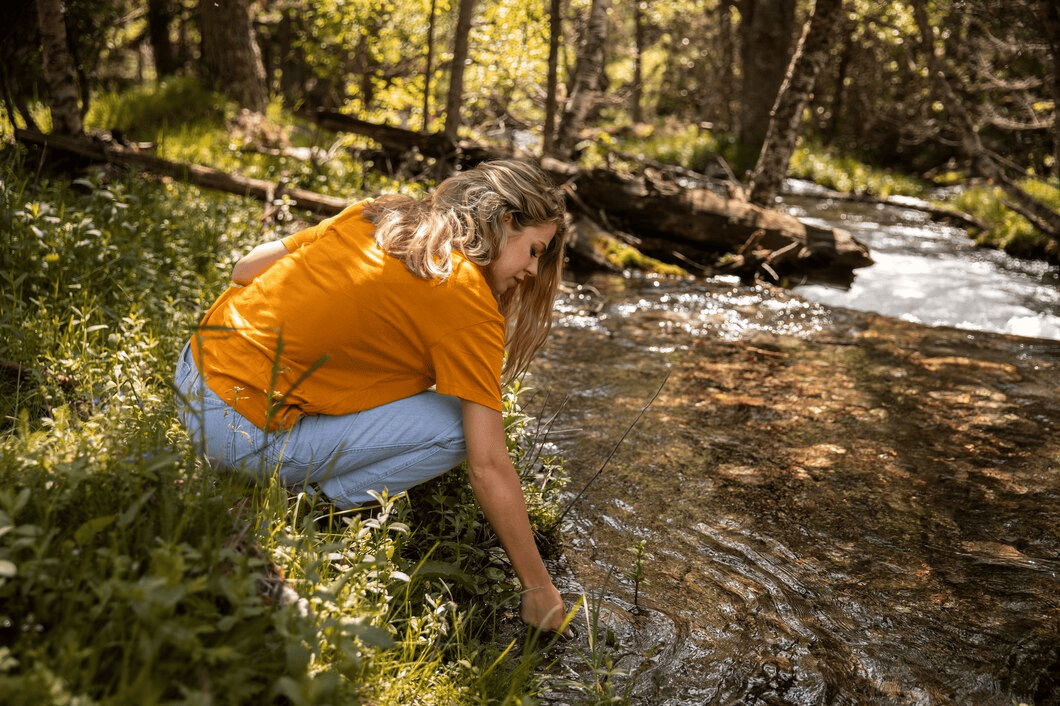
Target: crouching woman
(366, 353)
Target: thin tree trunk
(638, 70)
(555, 20)
(810, 56)
(429, 68)
(588, 75)
(456, 71)
(59, 69)
(231, 59)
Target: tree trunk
(231, 58)
(846, 33)
(59, 69)
(292, 63)
(555, 20)
(767, 31)
(205, 177)
(428, 69)
(725, 63)
(456, 70)
(810, 56)
(638, 72)
(589, 80)
(159, 18)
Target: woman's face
(519, 257)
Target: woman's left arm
(497, 489)
(257, 261)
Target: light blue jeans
(391, 447)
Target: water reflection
(838, 509)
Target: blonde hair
(469, 212)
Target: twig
(615, 449)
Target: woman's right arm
(257, 261)
(499, 494)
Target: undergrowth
(1005, 228)
(131, 572)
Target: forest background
(128, 572)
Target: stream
(822, 505)
(929, 273)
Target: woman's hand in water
(543, 608)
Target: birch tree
(810, 55)
(59, 69)
(589, 79)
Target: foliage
(132, 573)
(845, 173)
(1006, 229)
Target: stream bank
(837, 507)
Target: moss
(627, 257)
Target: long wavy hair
(469, 213)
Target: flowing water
(932, 274)
(832, 508)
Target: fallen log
(678, 225)
(96, 150)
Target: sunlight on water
(717, 307)
(934, 275)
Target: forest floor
(806, 500)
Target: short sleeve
(467, 364)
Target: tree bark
(637, 88)
(159, 18)
(767, 31)
(456, 71)
(555, 33)
(588, 80)
(681, 225)
(725, 62)
(206, 177)
(59, 69)
(810, 56)
(231, 58)
(428, 69)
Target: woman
(318, 365)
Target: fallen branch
(206, 177)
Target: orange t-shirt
(339, 326)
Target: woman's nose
(532, 267)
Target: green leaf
(89, 530)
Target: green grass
(1006, 229)
(130, 573)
